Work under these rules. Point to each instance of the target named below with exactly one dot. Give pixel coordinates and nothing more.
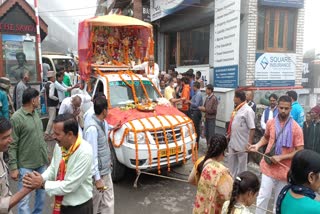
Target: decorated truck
(153, 135)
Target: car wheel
(119, 170)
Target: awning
(115, 20)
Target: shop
(18, 47)
(182, 33)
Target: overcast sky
(312, 26)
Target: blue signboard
(283, 3)
(226, 76)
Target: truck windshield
(121, 94)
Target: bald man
(249, 99)
(151, 70)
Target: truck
(153, 135)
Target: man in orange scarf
(69, 176)
(240, 132)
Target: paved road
(153, 195)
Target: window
(190, 47)
(121, 94)
(276, 29)
(194, 46)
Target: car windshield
(63, 63)
(121, 94)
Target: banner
(275, 69)
(226, 43)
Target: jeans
(23, 206)
(210, 126)
(196, 118)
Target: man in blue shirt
(297, 111)
(195, 103)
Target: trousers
(85, 208)
(237, 162)
(267, 185)
(103, 202)
(52, 115)
(210, 126)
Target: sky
(312, 27)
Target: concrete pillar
(137, 9)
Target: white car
(145, 143)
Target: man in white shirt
(151, 70)
(69, 176)
(270, 112)
(72, 105)
(61, 87)
(52, 101)
(96, 133)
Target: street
(154, 194)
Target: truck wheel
(119, 170)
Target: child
(244, 193)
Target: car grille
(169, 133)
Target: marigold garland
(125, 133)
(174, 137)
(147, 141)
(136, 101)
(157, 144)
(143, 87)
(136, 144)
(166, 141)
(184, 146)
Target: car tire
(118, 169)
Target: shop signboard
(226, 43)
(146, 13)
(283, 3)
(275, 69)
(162, 8)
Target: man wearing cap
(313, 142)
(4, 104)
(52, 101)
(151, 70)
(210, 108)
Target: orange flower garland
(184, 146)
(147, 141)
(136, 145)
(126, 132)
(166, 141)
(174, 138)
(143, 87)
(131, 86)
(157, 144)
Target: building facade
(268, 40)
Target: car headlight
(186, 132)
(140, 138)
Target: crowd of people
(289, 167)
(78, 175)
